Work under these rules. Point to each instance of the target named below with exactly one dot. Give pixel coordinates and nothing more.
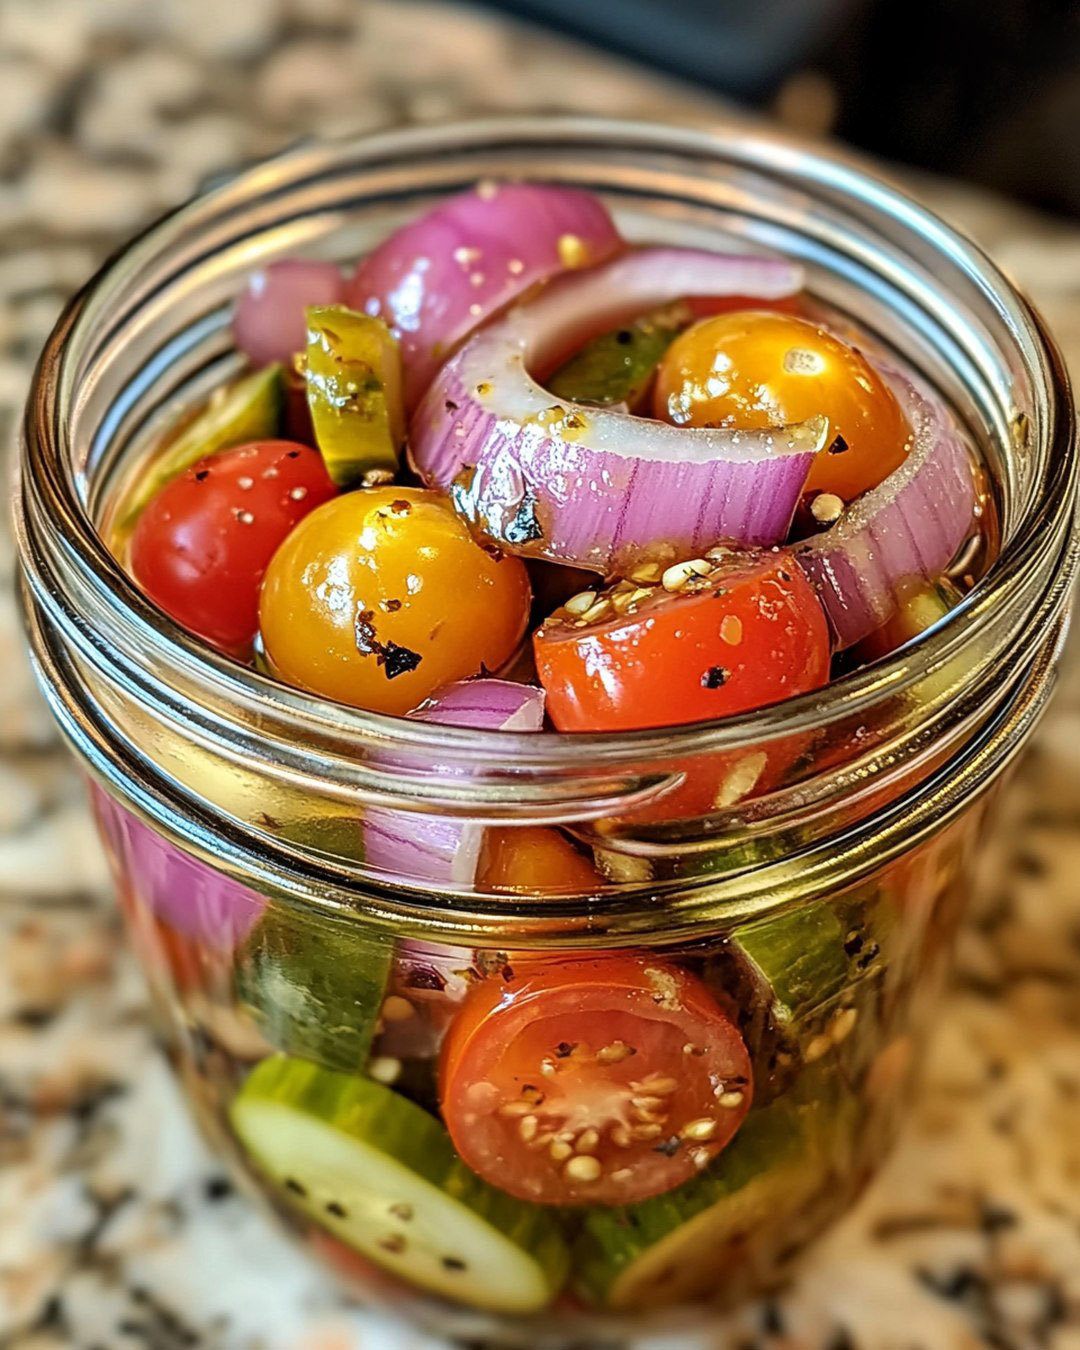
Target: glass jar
(308, 986)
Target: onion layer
(909, 526)
(191, 897)
(596, 487)
(268, 322)
(440, 849)
(439, 277)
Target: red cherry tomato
(583, 1082)
(200, 548)
(748, 632)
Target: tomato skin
(625, 1060)
(382, 597)
(752, 368)
(200, 548)
(532, 860)
(753, 633)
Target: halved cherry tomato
(200, 548)
(531, 860)
(746, 631)
(752, 368)
(583, 1082)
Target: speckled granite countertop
(117, 1229)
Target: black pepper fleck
(525, 525)
(714, 677)
(838, 445)
(395, 660)
(202, 475)
(453, 1263)
(398, 660)
(337, 1210)
(291, 1184)
(565, 1049)
(669, 1147)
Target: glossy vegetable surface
(702, 640)
(383, 597)
(592, 1081)
(201, 547)
(756, 369)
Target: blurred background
(983, 89)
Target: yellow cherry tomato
(382, 596)
(752, 369)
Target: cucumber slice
(618, 367)
(249, 410)
(354, 394)
(315, 987)
(381, 1175)
(677, 1246)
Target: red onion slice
(911, 525)
(595, 487)
(439, 849)
(439, 277)
(190, 896)
(268, 322)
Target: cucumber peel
(315, 986)
(354, 394)
(800, 955)
(249, 410)
(381, 1175)
(618, 367)
(677, 1246)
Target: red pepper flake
(400, 507)
(714, 677)
(391, 606)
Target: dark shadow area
(987, 90)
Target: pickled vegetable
(381, 1175)
(353, 372)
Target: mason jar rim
(135, 621)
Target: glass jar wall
(409, 1072)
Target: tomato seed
(582, 1168)
(587, 1140)
(699, 1129)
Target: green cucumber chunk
(249, 410)
(382, 1176)
(799, 955)
(315, 986)
(353, 374)
(677, 1246)
(618, 367)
